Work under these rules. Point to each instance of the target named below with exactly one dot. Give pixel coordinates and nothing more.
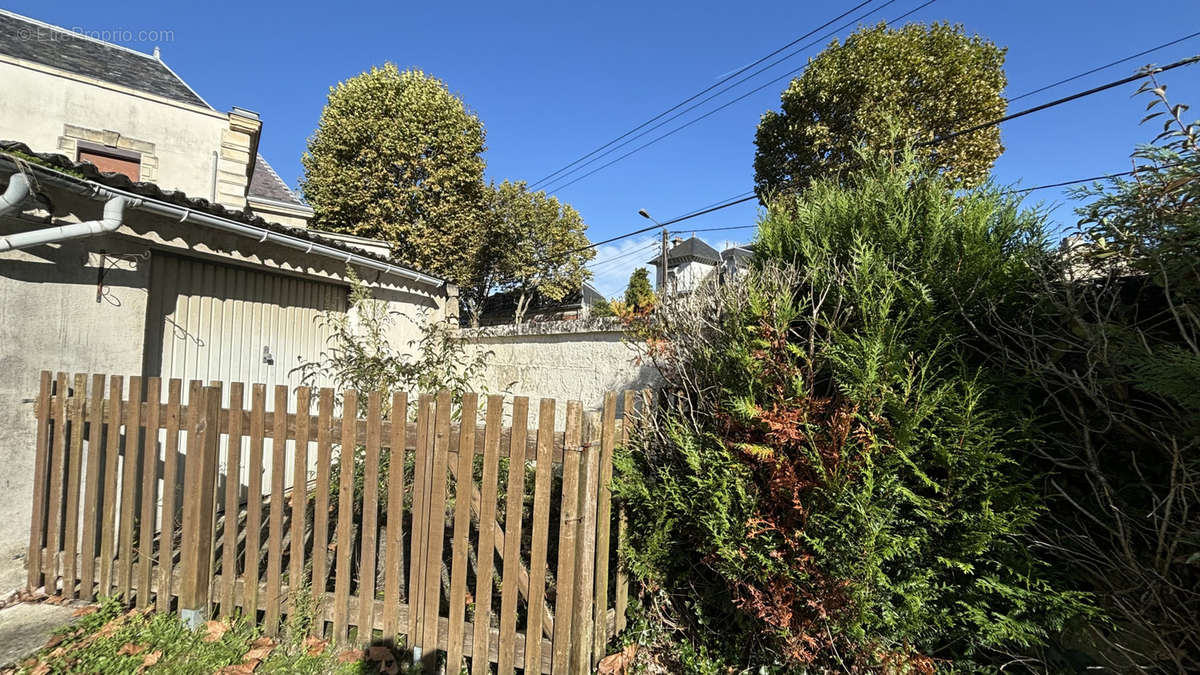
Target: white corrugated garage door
(210, 321)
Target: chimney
(675, 241)
(235, 162)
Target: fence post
(582, 629)
(198, 502)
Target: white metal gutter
(93, 190)
(114, 212)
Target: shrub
(1110, 348)
(833, 478)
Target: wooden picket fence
(164, 504)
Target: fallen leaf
(84, 611)
(315, 646)
(130, 649)
(260, 649)
(55, 640)
(615, 664)
(214, 630)
(40, 669)
(152, 658)
(244, 668)
(349, 656)
(54, 600)
(109, 629)
(58, 652)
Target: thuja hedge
(833, 476)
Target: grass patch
(108, 638)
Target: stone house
(141, 233)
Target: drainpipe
(114, 211)
(17, 191)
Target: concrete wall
(565, 360)
(50, 112)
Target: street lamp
(662, 269)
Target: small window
(112, 160)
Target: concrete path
(25, 628)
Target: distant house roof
(266, 184)
(31, 40)
(86, 171)
(692, 249)
(499, 308)
(738, 254)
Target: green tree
(602, 308)
(397, 156)
(639, 295)
(534, 243)
(914, 83)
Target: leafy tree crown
(397, 156)
(915, 83)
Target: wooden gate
(482, 541)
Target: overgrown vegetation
(1110, 348)
(363, 352)
(834, 480)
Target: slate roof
(266, 184)
(692, 249)
(89, 172)
(31, 40)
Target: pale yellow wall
(37, 104)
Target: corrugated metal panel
(216, 320)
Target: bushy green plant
(1110, 349)
(833, 480)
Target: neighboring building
(141, 234)
(129, 113)
(500, 308)
(691, 261)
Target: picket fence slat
(481, 633)
(166, 537)
(462, 526)
(91, 487)
(275, 514)
(109, 479)
(258, 430)
(108, 521)
(585, 547)
(370, 510)
(341, 592)
(320, 547)
(299, 508)
(233, 484)
(149, 468)
(567, 532)
(394, 537)
(512, 538)
(74, 464)
(608, 427)
(421, 470)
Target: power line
(1105, 66)
(1107, 176)
(789, 74)
(701, 93)
(621, 256)
(723, 106)
(1066, 99)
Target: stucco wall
(50, 319)
(37, 105)
(565, 360)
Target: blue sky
(553, 81)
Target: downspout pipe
(15, 194)
(114, 214)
